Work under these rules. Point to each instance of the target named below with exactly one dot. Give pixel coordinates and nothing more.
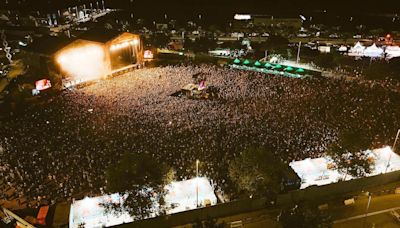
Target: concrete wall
(340, 189)
(217, 211)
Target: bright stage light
(242, 17)
(86, 62)
(148, 54)
(125, 44)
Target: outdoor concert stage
(93, 55)
(97, 55)
(319, 171)
(181, 196)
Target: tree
(256, 171)
(277, 41)
(305, 216)
(208, 223)
(377, 32)
(202, 44)
(160, 40)
(378, 71)
(325, 61)
(140, 179)
(17, 68)
(394, 65)
(349, 153)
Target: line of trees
(349, 153)
(141, 179)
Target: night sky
(223, 8)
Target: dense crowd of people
(61, 150)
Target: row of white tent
(373, 51)
(322, 171)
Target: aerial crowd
(61, 150)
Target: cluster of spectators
(62, 150)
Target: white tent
(357, 50)
(180, 196)
(315, 172)
(373, 51)
(89, 211)
(342, 48)
(320, 171)
(392, 52)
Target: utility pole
(298, 52)
(393, 149)
(197, 183)
(366, 210)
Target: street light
(197, 183)
(393, 149)
(366, 210)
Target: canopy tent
(180, 196)
(246, 62)
(342, 48)
(268, 65)
(92, 213)
(236, 61)
(289, 68)
(392, 52)
(300, 70)
(321, 171)
(278, 66)
(373, 51)
(257, 64)
(357, 50)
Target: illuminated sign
(148, 54)
(242, 17)
(42, 84)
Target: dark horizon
(220, 7)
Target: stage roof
(48, 45)
(100, 35)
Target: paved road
(383, 220)
(378, 214)
(255, 219)
(367, 214)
